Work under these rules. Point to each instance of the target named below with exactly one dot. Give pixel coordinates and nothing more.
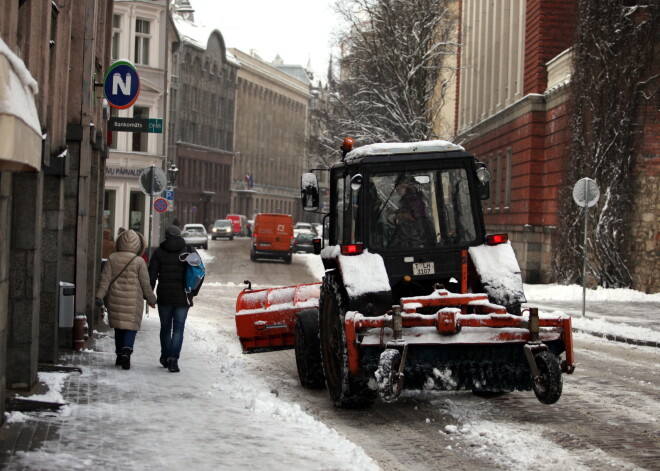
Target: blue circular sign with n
(121, 84)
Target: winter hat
(130, 241)
(172, 231)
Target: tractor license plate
(425, 268)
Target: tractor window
(339, 210)
(420, 209)
(356, 233)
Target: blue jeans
(172, 323)
(124, 338)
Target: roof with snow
(388, 148)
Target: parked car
(195, 235)
(222, 228)
(304, 242)
(272, 237)
(303, 227)
(239, 223)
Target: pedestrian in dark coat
(125, 280)
(168, 267)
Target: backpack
(195, 271)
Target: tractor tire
(346, 391)
(548, 385)
(308, 349)
(387, 375)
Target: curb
(620, 338)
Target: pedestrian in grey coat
(125, 280)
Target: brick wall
(547, 33)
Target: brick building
(512, 112)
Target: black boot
(126, 358)
(118, 360)
(173, 365)
(163, 361)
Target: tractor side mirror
(309, 191)
(356, 182)
(483, 183)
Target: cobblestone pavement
(94, 379)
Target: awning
(20, 130)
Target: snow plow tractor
(415, 295)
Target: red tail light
(497, 239)
(352, 249)
(254, 234)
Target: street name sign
(136, 125)
(121, 84)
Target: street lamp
(172, 172)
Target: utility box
(66, 303)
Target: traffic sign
(121, 84)
(152, 180)
(586, 193)
(160, 204)
(168, 195)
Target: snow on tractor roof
(386, 148)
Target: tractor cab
(417, 205)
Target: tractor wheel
(548, 385)
(346, 391)
(387, 375)
(308, 349)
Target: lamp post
(172, 173)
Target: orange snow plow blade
(265, 318)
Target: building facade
(52, 156)
(513, 112)
(202, 111)
(142, 34)
(271, 138)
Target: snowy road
(606, 419)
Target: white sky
(299, 31)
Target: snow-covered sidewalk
(212, 415)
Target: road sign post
(585, 194)
(152, 181)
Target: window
(116, 35)
(142, 37)
(136, 204)
(420, 209)
(498, 181)
(507, 187)
(339, 210)
(109, 210)
(140, 139)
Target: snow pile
(387, 148)
(364, 273)
(499, 271)
(553, 292)
(18, 98)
